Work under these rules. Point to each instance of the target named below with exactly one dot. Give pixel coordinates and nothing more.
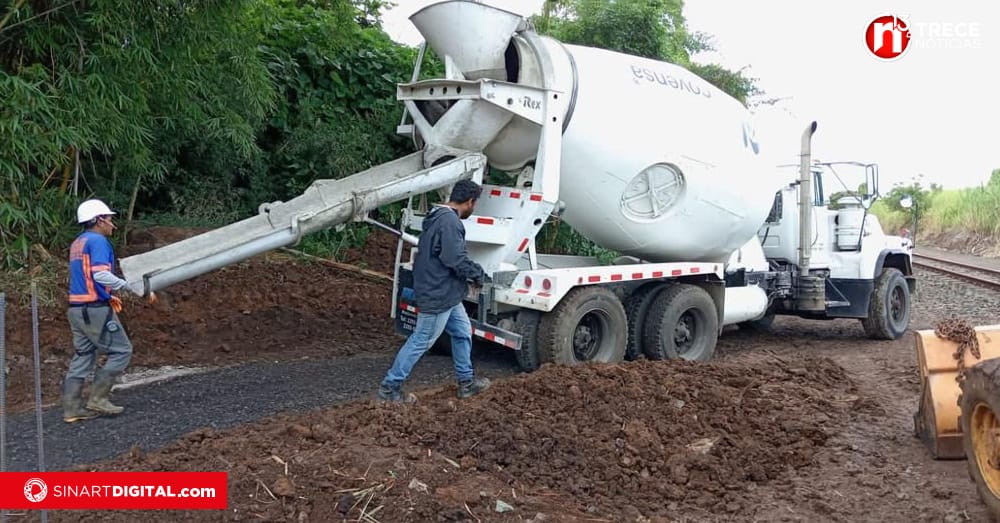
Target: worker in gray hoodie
(442, 271)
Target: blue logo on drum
(750, 138)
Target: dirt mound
(270, 307)
(621, 442)
(963, 241)
(378, 253)
(142, 239)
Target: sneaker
(389, 394)
(469, 388)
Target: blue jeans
(429, 327)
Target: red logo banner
(113, 490)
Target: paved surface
(161, 413)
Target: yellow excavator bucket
(936, 420)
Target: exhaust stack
(805, 200)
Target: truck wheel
(980, 424)
(588, 325)
(636, 307)
(526, 325)
(889, 309)
(682, 323)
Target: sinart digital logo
(35, 490)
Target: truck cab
(863, 269)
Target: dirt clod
(283, 486)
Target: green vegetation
(975, 209)
(110, 96)
(653, 29)
(193, 111)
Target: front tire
(588, 325)
(889, 308)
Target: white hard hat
(91, 209)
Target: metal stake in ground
(38, 385)
(3, 391)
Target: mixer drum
(656, 162)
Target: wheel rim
(985, 432)
(897, 305)
(590, 335)
(687, 332)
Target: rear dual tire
(588, 325)
(682, 323)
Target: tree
(369, 12)
(920, 196)
(200, 109)
(653, 29)
(104, 96)
(337, 111)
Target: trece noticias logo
(35, 490)
(887, 37)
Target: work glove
(116, 304)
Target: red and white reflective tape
(597, 278)
(515, 194)
(494, 338)
(408, 308)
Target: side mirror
(871, 180)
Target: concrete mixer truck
(641, 157)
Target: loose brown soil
(274, 306)
(963, 242)
(612, 442)
(809, 422)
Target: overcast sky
(933, 111)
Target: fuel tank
(656, 162)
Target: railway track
(976, 274)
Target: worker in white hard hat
(93, 316)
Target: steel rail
(957, 273)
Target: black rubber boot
(72, 402)
(99, 395)
(468, 389)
